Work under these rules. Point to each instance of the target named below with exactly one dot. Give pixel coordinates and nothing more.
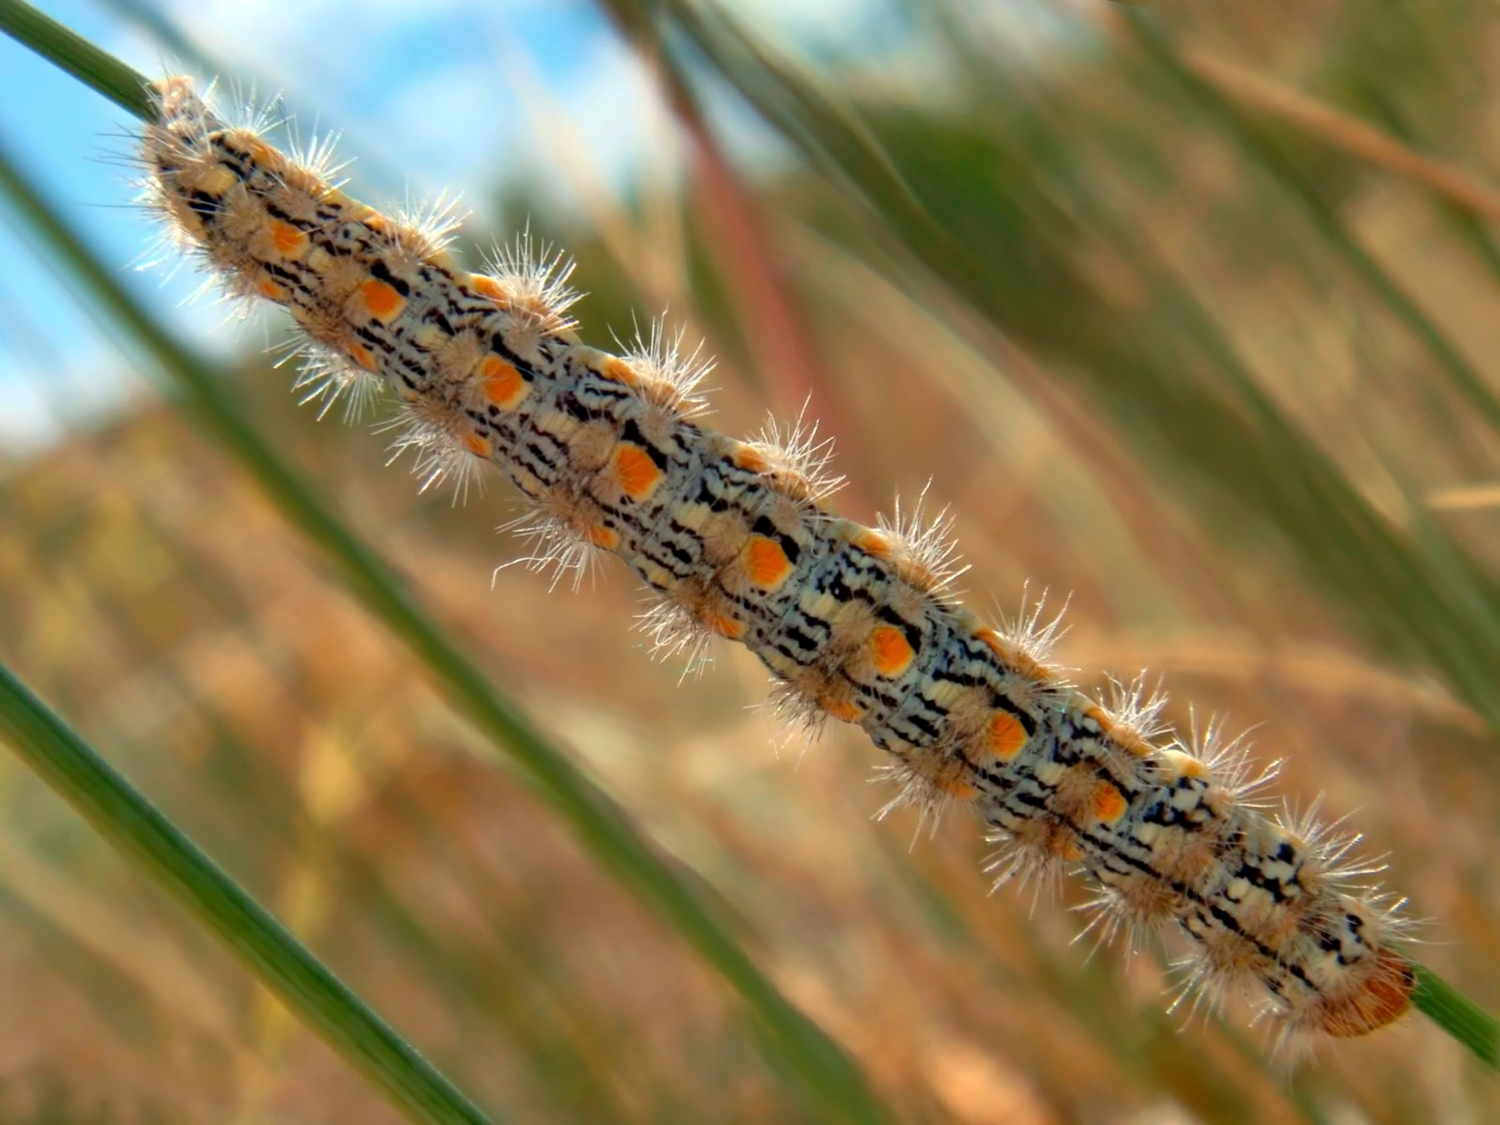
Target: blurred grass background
(1151, 346)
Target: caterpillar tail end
(1384, 998)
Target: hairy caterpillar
(737, 540)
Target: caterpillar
(738, 539)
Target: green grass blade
(265, 947)
(1459, 1016)
(796, 1045)
(75, 54)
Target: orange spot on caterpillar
(639, 475)
(1011, 655)
(271, 291)
(478, 445)
(872, 542)
(750, 459)
(844, 710)
(767, 562)
(1005, 736)
(617, 370)
(1385, 999)
(507, 298)
(605, 537)
(1108, 803)
(382, 300)
(892, 651)
(290, 242)
(723, 625)
(362, 356)
(487, 286)
(952, 777)
(1120, 734)
(503, 384)
(650, 388)
(1065, 847)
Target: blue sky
(429, 95)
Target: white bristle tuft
(928, 539)
(1033, 633)
(1231, 761)
(670, 372)
(556, 548)
(1136, 707)
(1025, 862)
(325, 377)
(914, 790)
(435, 222)
(795, 446)
(675, 632)
(430, 430)
(536, 278)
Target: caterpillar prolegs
(737, 539)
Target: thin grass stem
(70, 51)
(263, 945)
(1459, 1016)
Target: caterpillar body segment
(736, 540)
